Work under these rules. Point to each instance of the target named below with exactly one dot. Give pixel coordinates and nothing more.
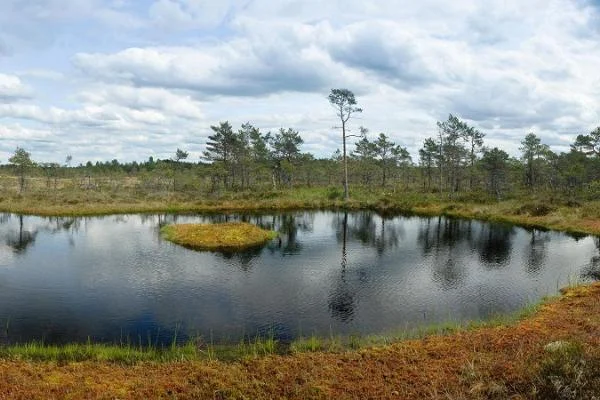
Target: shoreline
(522, 358)
(564, 219)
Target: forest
(456, 164)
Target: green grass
(197, 349)
(131, 354)
(567, 372)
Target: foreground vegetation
(552, 354)
(199, 349)
(230, 236)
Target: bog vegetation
(454, 165)
(229, 236)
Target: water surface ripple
(113, 279)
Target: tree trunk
(346, 192)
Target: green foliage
(308, 345)
(21, 159)
(495, 163)
(180, 155)
(453, 155)
(344, 102)
(334, 193)
(566, 372)
(454, 164)
(588, 144)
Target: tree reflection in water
(356, 272)
(341, 298)
(438, 238)
(449, 240)
(592, 270)
(536, 251)
(21, 240)
(289, 226)
(369, 229)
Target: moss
(231, 236)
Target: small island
(230, 236)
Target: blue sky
(104, 79)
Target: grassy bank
(199, 349)
(553, 353)
(530, 211)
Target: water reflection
(494, 244)
(243, 258)
(370, 229)
(341, 298)
(591, 271)
(64, 279)
(536, 251)
(442, 233)
(21, 239)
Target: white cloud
(13, 89)
(240, 67)
(39, 73)
(506, 66)
(190, 14)
(169, 103)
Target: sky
(125, 79)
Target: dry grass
(125, 197)
(495, 362)
(229, 236)
(129, 195)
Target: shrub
(334, 193)
(535, 209)
(567, 373)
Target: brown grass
(494, 362)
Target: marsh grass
(192, 350)
(523, 209)
(230, 236)
(339, 343)
(129, 195)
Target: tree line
(452, 163)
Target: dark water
(113, 279)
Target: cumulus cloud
(507, 67)
(240, 68)
(13, 89)
(140, 99)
